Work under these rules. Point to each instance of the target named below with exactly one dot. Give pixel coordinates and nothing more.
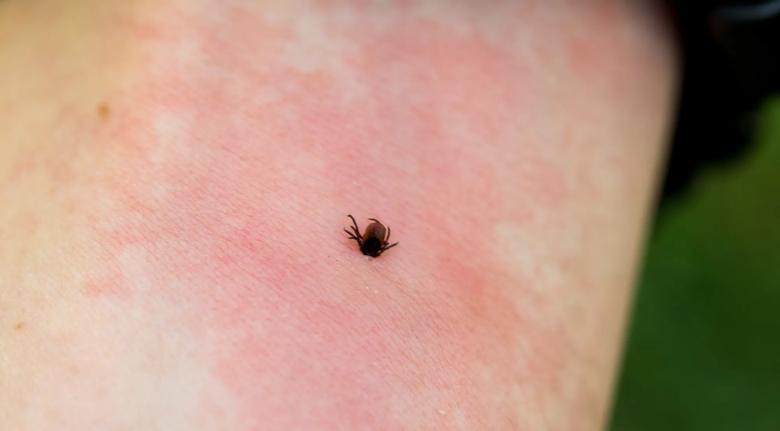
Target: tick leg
(351, 235)
(389, 246)
(382, 250)
(356, 233)
(387, 238)
(354, 223)
(355, 226)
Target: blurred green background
(703, 351)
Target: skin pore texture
(174, 183)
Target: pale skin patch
(214, 259)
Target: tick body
(374, 241)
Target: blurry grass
(703, 351)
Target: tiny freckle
(104, 111)
(19, 326)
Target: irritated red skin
(232, 168)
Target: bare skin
(173, 182)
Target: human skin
(175, 178)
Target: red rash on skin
(238, 208)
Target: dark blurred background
(703, 348)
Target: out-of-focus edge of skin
(666, 22)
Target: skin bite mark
(218, 227)
(219, 242)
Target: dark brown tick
(373, 242)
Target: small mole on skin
(103, 111)
(19, 326)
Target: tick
(373, 242)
